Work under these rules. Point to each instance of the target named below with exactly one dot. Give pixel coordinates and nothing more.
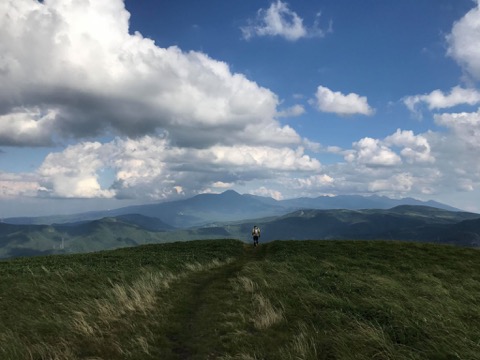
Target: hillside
(405, 222)
(87, 236)
(230, 206)
(225, 300)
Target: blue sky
(110, 103)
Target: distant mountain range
(231, 215)
(403, 223)
(229, 206)
(86, 236)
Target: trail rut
(198, 318)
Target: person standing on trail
(255, 235)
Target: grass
(223, 299)
(101, 305)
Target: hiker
(255, 234)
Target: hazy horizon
(41, 207)
(110, 104)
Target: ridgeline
(223, 299)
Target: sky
(107, 103)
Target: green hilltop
(405, 222)
(223, 299)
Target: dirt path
(198, 319)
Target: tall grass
(63, 308)
(224, 300)
(364, 300)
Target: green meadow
(223, 299)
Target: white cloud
(283, 159)
(150, 167)
(398, 183)
(371, 152)
(464, 47)
(76, 63)
(18, 185)
(338, 103)
(263, 191)
(455, 151)
(415, 147)
(312, 145)
(439, 163)
(399, 180)
(222, 185)
(335, 149)
(72, 70)
(279, 20)
(27, 127)
(73, 173)
(464, 42)
(402, 164)
(438, 100)
(293, 111)
(464, 126)
(186, 123)
(318, 181)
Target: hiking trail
(207, 298)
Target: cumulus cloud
(263, 191)
(15, 185)
(372, 152)
(399, 183)
(150, 167)
(401, 164)
(184, 123)
(405, 163)
(463, 46)
(76, 71)
(279, 20)
(222, 185)
(295, 110)
(455, 149)
(317, 181)
(439, 100)
(338, 103)
(73, 173)
(26, 127)
(181, 122)
(415, 148)
(465, 126)
(464, 42)
(153, 168)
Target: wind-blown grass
(225, 300)
(96, 306)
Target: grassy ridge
(368, 300)
(102, 305)
(226, 300)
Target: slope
(224, 300)
(407, 223)
(88, 236)
(229, 206)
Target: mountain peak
(230, 193)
